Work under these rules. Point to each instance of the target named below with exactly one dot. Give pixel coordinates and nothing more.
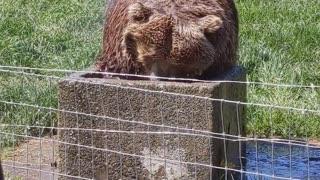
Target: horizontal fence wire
(13, 68)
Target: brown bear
(170, 38)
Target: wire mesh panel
(79, 128)
(28, 126)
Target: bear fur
(170, 38)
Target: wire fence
(88, 128)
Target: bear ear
(210, 23)
(129, 43)
(139, 13)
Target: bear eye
(200, 15)
(139, 17)
(139, 13)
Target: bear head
(166, 43)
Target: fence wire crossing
(57, 126)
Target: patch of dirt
(32, 159)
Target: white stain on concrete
(165, 169)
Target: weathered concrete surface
(110, 100)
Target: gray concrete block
(118, 105)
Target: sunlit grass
(280, 44)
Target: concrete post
(93, 104)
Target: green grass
(48, 34)
(279, 44)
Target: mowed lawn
(279, 44)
